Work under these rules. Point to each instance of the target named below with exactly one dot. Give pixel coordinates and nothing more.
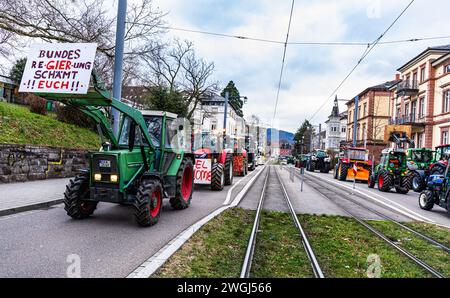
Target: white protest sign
(202, 171)
(59, 68)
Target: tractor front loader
(393, 172)
(139, 167)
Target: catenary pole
(118, 60)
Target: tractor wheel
(148, 203)
(371, 181)
(253, 165)
(342, 172)
(336, 168)
(438, 170)
(418, 183)
(384, 181)
(184, 185)
(426, 200)
(312, 167)
(405, 185)
(229, 170)
(217, 177)
(448, 205)
(76, 191)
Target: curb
(31, 207)
(149, 267)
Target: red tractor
(441, 160)
(240, 157)
(214, 165)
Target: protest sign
(59, 68)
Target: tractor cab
(393, 160)
(442, 157)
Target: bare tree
(82, 21)
(197, 81)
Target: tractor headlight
(327, 159)
(114, 178)
(98, 177)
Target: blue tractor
(437, 192)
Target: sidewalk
(20, 197)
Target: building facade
(373, 116)
(8, 89)
(336, 129)
(422, 100)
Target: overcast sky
(312, 72)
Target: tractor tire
(253, 166)
(342, 172)
(336, 172)
(448, 205)
(405, 185)
(184, 185)
(229, 168)
(217, 177)
(312, 167)
(148, 203)
(438, 170)
(417, 183)
(426, 200)
(76, 191)
(384, 181)
(371, 181)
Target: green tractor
(319, 161)
(140, 167)
(419, 162)
(392, 172)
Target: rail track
(337, 197)
(248, 259)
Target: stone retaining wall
(20, 163)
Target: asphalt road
(109, 244)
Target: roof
(380, 87)
(159, 114)
(441, 60)
(443, 49)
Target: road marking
(149, 267)
(406, 211)
(230, 191)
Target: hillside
(19, 126)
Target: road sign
(59, 68)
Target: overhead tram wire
(283, 62)
(366, 53)
(270, 41)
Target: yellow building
(373, 117)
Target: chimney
(397, 77)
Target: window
(414, 109)
(350, 117)
(420, 140)
(365, 110)
(422, 107)
(213, 125)
(447, 69)
(415, 79)
(364, 132)
(407, 109)
(422, 74)
(445, 137)
(446, 103)
(344, 130)
(359, 112)
(215, 110)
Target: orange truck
(351, 159)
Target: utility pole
(225, 115)
(355, 124)
(320, 132)
(118, 60)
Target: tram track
(338, 197)
(252, 242)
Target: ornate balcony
(407, 120)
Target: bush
(70, 115)
(37, 104)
